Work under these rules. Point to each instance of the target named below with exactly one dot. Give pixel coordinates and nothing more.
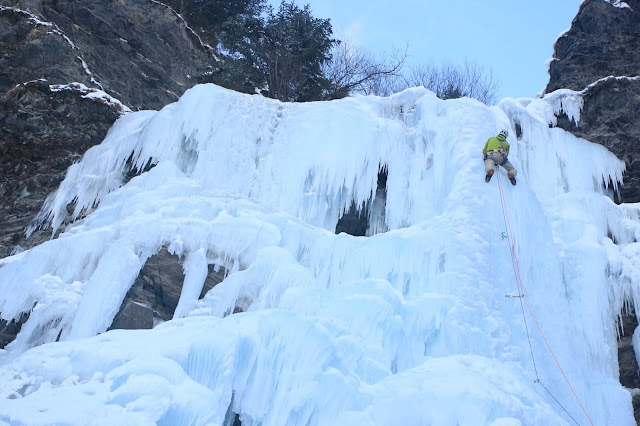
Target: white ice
(407, 326)
(619, 3)
(92, 93)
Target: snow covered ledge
(619, 3)
(93, 94)
(571, 102)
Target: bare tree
(355, 70)
(450, 80)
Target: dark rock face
(138, 51)
(626, 357)
(133, 316)
(154, 296)
(609, 117)
(604, 41)
(10, 329)
(31, 51)
(627, 362)
(42, 132)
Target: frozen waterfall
(407, 326)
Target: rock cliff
(139, 51)
(42, 132)
(68, 69)
(600, 55)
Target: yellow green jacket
(494, 143)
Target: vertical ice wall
(409, 326)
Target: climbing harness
(522, 297)
(503, 153)
(495, 160)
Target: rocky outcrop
(42, 132)
(154, 296)
(629, 370)
(609, 117)
(626, 357)
(33, 49)
(10, 329)
(600, 55)
(604, 40)
(68, 69)
(139, 51)
(133, 316)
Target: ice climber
(495, 152)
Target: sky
(511, 38)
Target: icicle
(310, 327)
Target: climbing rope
(522, 297)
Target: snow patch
(89, 73)
(32, 18)
(611, 77)
(91, 93)
(619, 3)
